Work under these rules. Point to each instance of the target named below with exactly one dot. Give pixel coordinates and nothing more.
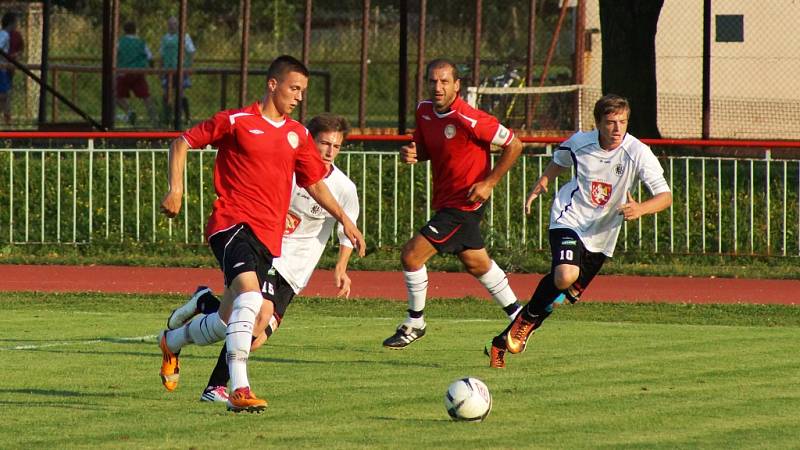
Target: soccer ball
(468, 399)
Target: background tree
(628, 29)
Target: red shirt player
(456, 139)
(260, 148)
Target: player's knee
(410, 260)
(478, 268)
(564, 279)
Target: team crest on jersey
(293, 139)
(601, 192)
(619, 169)
(449, 131)
(292, 222)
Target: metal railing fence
(87, 194)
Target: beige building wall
(755, 87)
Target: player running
(456, 138)
(308, 228)
(587, 213)
(260, 149)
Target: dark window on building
(730, 28)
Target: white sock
(177, 339)
(239, 336)
(206, 330)
(496, 282)
(417, 286)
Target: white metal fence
(88, 194)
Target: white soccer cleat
(180, 316)
(217, 394)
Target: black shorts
(567, 248)
(452, 230)
(281, 295)
(280, 292)
(238, 250)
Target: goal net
(540, 110)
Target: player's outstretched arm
(633, 210)
(540, 186)
(171, 203)
(321, 194)
(482, 190)
(340, 271)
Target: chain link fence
(752, 91)
(144, 90)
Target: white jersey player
(587, 213)
(308, 229)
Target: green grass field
(81, 371)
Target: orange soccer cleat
(520, 331)
(497, 356)
(243, 399)
(170, 366)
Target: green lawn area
(81, 371)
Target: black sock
(220, 375)
(498, 341)
(512, 308)
(541, 303)
(208, 303)
(414, 314)
(538, 308)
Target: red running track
(605, 288)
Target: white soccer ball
(468, 399)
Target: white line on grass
(152, 337)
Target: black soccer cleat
(404, 336)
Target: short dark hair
(610, 103)
(284, 64)
(8, 19)
(328, 122)
(129, 27)
(440, 63)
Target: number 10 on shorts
(567, 255)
